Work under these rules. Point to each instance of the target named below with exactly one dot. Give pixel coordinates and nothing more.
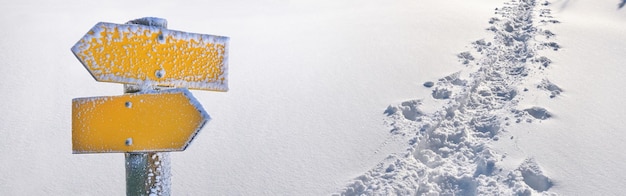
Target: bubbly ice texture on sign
(150, 55)
(152, 121)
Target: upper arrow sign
(138, 54)
(144, 122)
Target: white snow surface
(326, 97)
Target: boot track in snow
(449, 150)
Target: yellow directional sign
(144, 122)
(139, 54)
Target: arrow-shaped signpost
(157, 114)
(162, 121)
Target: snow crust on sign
(449, 151)
(196, 61)
(192, 100)
(95, 101)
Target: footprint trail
(449, 150)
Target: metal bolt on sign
(156, 114)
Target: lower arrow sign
(156, 121)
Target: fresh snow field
(327, 97)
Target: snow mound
(442, 93)
(528, 178)
(410, 110)
(538, 113)
(449, 150)
(465, 57)
(429, 84)
(533, 176)
(550, 87)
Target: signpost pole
(147, 173)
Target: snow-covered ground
(581, 148)
(327, 97)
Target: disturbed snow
(449, 150)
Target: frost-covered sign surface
(157, 114)
(165, 120)
(152, 55)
